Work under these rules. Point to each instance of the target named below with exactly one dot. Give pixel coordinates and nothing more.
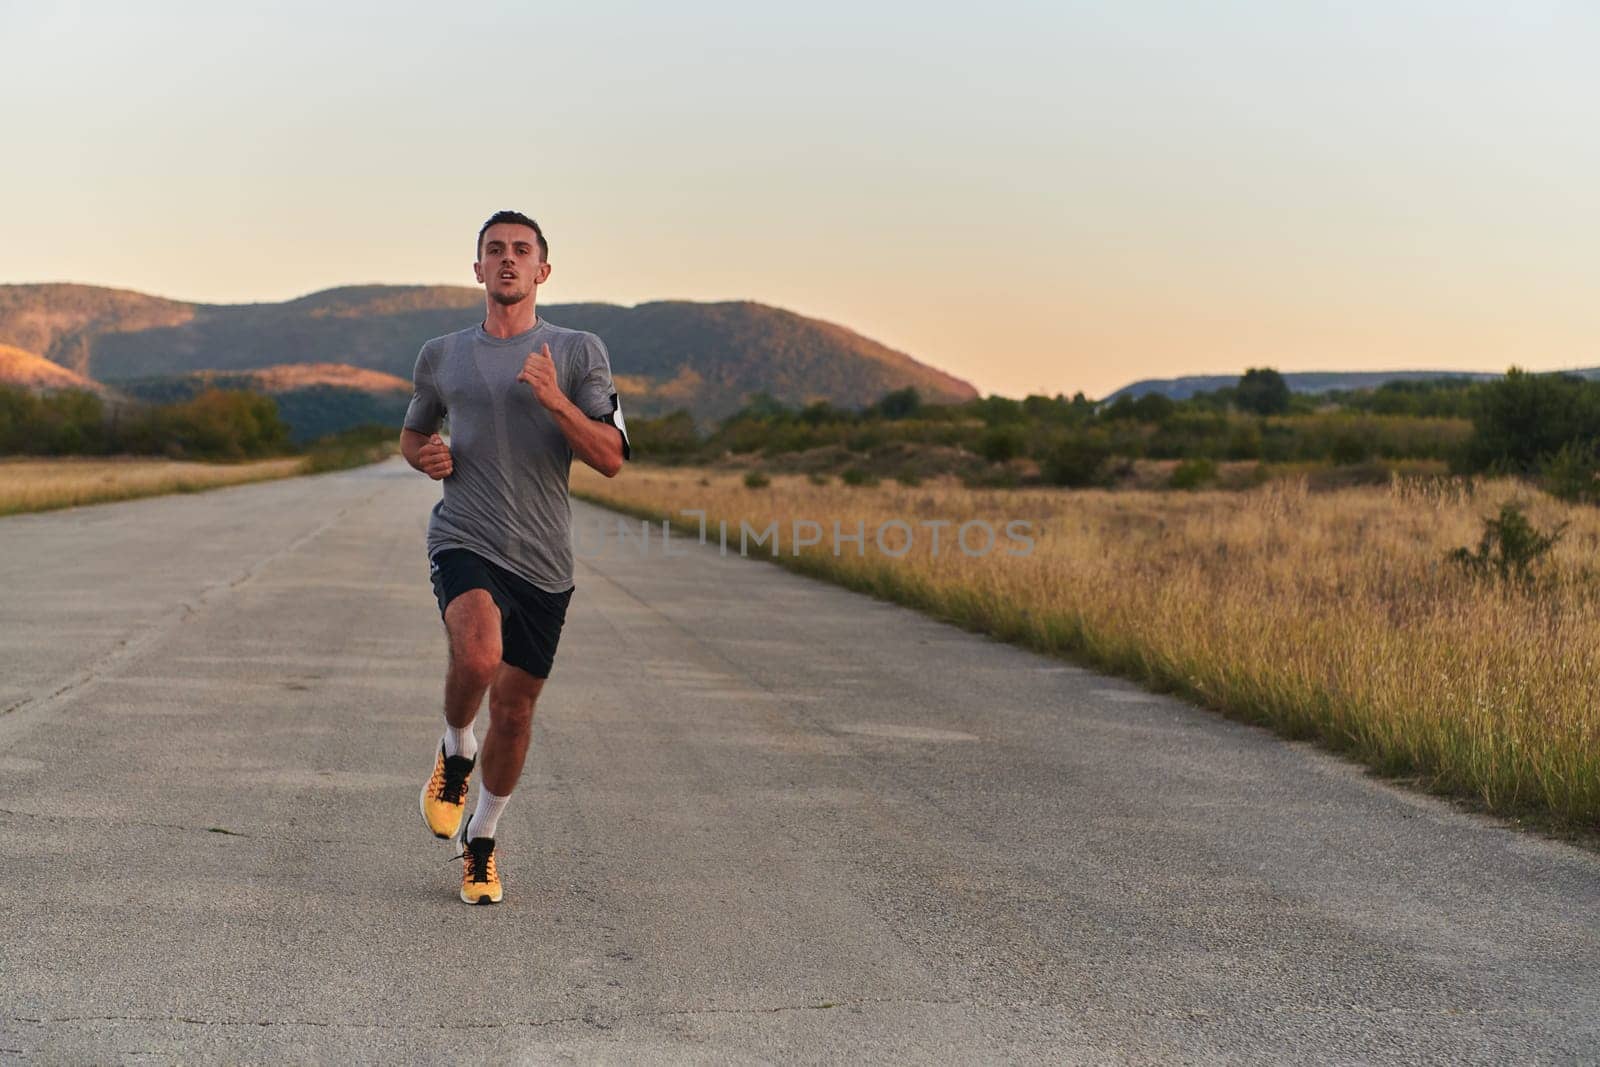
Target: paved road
(763, 819)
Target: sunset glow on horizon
(1041, 198)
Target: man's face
(508, 263)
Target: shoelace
(478, 869)
(455, 785)
(448, 785)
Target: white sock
(460, 741)
(487, 814)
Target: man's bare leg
(473, 623)
(505, 748)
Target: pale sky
(1037, 197)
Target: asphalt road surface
(763, 819)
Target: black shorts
(530, 618)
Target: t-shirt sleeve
(597, 393)
(427, 407)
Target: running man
(523, 397)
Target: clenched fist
(539, 371)
(434, 458)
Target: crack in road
(591, 1018)
(130, 646)
(605, 1022)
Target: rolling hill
(38, 374)
(705, 357)
(1306, 381)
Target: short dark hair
(521, 220)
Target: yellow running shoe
(444, 798)
(480, 882)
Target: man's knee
(512, 698)
(475, 666)
(512, 717)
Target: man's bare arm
(599, 444)
(590, 440)
(427, 453)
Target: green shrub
(1510, 549)
(991, 478)
(865, 440)
(1077, 461)
(1244, 442)
(64, 422)
(668, 437)
(756, 480)
(1192, 474)
(857, 476)
(1349, 448)
(997, 410)
(355, 447)
(216, 424)
(1572, 473)
(1001, 443)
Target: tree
(1263, 391)
(1154, 407)
(1123, 407)
(1523, 418)
(900, 404)
(819, 412)
(999, 444)
(761, 405)
(1077, 460)
(666, 437)
(996, 410)
(62, 422)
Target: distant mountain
(705, 357)
(1307, 381)
(62, 322)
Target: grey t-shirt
(506, 497)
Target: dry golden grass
(1330, 616)
(41, 484)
